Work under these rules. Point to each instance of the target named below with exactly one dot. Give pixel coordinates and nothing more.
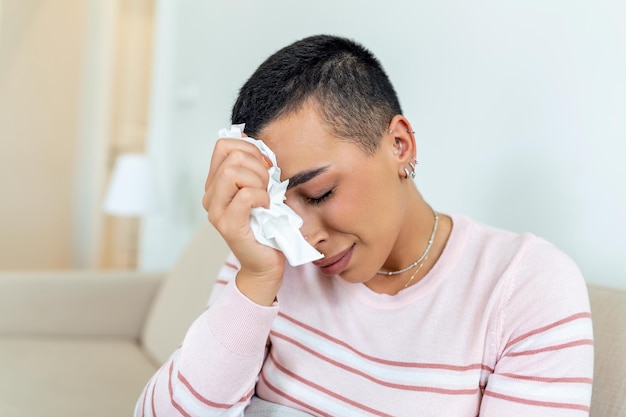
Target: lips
(336, 264)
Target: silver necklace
(424, 255)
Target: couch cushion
(75, 303)
(608, 309)
(70, 377)
(184, 293)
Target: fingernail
(266, 161)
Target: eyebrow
(304, 176)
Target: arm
(545, 352)
(215, 369)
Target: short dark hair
(346, 82)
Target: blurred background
(519, 109)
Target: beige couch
(84, 343)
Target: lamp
(131, 188)
(130, 194)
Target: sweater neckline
(424, 287)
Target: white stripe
(428, 377)
(560, 392)
(565, 333)
(306, 394)
(484, 377)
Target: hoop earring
(413, 172)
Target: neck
(411, 243)
(418, 263)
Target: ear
(403, 145)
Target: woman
(410, 312)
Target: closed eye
(321, 198)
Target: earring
(411, 174)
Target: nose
(312, 228)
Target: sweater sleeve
(544, 363)
(214, 371)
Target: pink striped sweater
(499, 327)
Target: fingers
(237, 182)
(239, 153)
(235, 194)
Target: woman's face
(352, 204)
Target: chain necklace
(421, 258)
(415, 273)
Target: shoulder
(528, 274)
(540, 288)
(546, 285)
(521, 257)
(538, 299)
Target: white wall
(519, 108)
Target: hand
(237, 183)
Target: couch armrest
(75, 303)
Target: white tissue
(279, 226)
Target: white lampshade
(131, 188)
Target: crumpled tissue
(279, 226)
